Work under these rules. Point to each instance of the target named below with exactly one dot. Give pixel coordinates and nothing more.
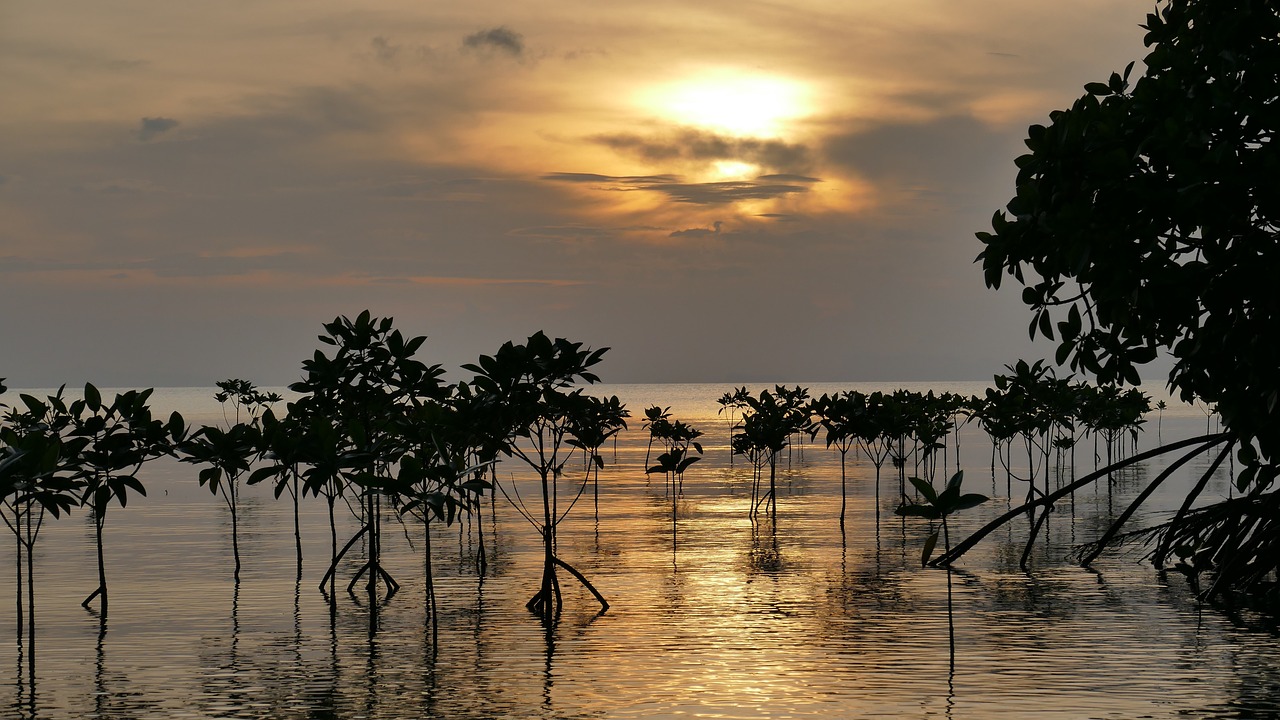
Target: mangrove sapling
(480, 433)
(430, 487)
(730, 402)
(117, 439)
(675, 461)
(34, 480)
(657, 420)
(328, 463)
(599, 422)
(938, 506)
(286, 444)
(676, 437)
(767, 425)
(366, 389)
(838, 415)
(433, 480)
(1160, 406)
(526, 386)
(229, 454)
(873, 432)
(796, 399)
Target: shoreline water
(724, 618)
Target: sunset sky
(720, 191)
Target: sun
(731, 102)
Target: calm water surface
(717, 618)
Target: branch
(1205, 441)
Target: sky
(722, 191)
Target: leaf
(33, 405)
(953, 485)
(929, 544)
(925, 489)
(968, 501)
(262, 474)
(92, 397)
(1098, 89)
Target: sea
(711, 614)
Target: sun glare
(734, 170)
(732, 103)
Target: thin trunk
(482, 558)
(333, 556)
(235, 533)
(18, 556)
(843, 500)
(542, 602)
(372, 521)
(99, 522)
(297, 527)
(430, 581)
(31, 600)
(99, 519)
(773, 494)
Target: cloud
(571, 233)
(499, 39)
(765, 187)
(955, 154)
(719, 193)
(383, 50)
(690, 144)
(698, 232)
(784, 177)
(151, 127)
(631, 180)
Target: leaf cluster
(1146, 219)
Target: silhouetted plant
(117, 438)
(1161, 406)
(796, 398)
(767, 426)
(676, 438)
(657, 420)
(35, 480)
(228, 455)
(1143, 221)
(840, 416)
(286, 444)
(730, 403)
(365, 391)
(528, 385)
(938, 506)
(874, 434)
(599, 422)
(433, 480)
(328, 463)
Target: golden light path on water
(718, 618)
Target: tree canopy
(1146, 218)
